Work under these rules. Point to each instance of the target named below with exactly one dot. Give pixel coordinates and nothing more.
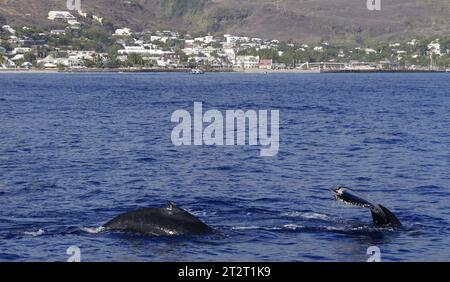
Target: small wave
(356, 229)
(380, 140)
(307, 215)
(203, 213)
(35, 233)
(221, 168)
(292, 227)
(268, 228)
(317, 229)
(93, 230)
(253, 227)
(146, 160)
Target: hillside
(298, 20)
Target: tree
(268, 54)
(135, 60)
(2, 20)
(61, 67)
(183, 57)
(29, 57)
(96, 62)
(112, 61)
(287, 57)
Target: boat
(197, 71)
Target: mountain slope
(299, 20)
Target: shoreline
(240, 71)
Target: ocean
(78, 149)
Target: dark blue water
(78, 149)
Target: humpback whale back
(382, 217)
(168, 221)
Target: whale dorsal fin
(171, 206)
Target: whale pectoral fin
(382, 217)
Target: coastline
(184, 70)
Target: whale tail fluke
(382, 217)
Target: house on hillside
(215, 63)
(17, 57)
(123, 32)
(279, 66)
(247, 62)
(236, 39)
(265, 64)
(169, 59)
(74, 24)
(97, 19)
(60, 16)
(58, 32)
(148, 51)
(20, 50)
(9, 29)
(26, 65)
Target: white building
(123, 32)
(370, 51)
(161, 38)
(83, 14)
(60, 16)
(74, 24)
(97, 19)
(17, 57)
(21, 50)
(209, 39)
(413, 42)
(141, 50)
(9, 29)
(236, 39)
(435, 47)
(230, 54)
(393, 45)
(88, 55)
(318, 48)
(78, 58)
(58, 32)
(52, 62)
(26, 65)
(247, 62)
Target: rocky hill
(297, 20)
